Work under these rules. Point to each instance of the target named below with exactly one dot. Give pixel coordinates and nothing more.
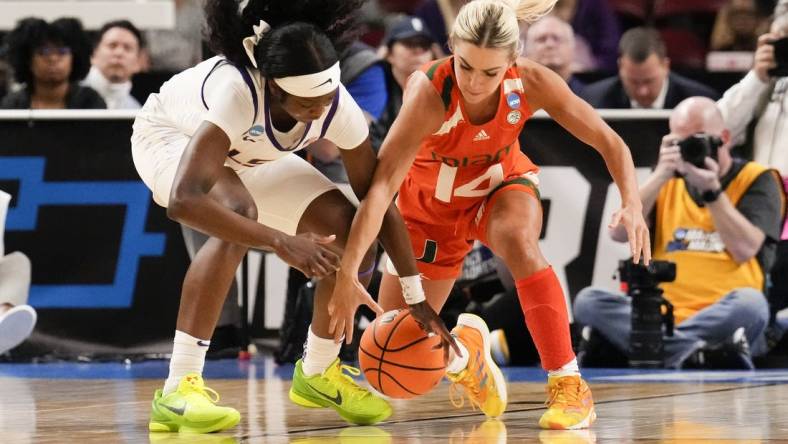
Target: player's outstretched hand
(348, 295)
(430, 322)
(307, 253)
(637, 232)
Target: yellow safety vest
(685, 234)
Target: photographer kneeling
(717, 218)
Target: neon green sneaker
(336, 390)
(190, 408)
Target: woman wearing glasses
(49, 59)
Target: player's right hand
(307, 253)
(430, 322)
(348, 295)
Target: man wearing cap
(407, 45)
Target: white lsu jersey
(237, 101)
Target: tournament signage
(106, 259)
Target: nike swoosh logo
(335, 399)
(203, 344)
(177, 410)
(329, 81)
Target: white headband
(307, 85)
(311, 85)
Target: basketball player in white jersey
(216, 147)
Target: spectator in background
(551, 42)
(719, 224)
(16, 318)
(115, 60)
(737, 27)
(644, 78)
(50, 59)
(408, 45)
(596, 27)
(756, 111)
(756, 108)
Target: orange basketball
(397, 356)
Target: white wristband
(412, 289)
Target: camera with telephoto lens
(646, 347)
(695, 148)
(780, 58)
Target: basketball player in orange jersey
(454, 156)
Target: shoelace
(565, 392)
(348, 382)
(199, 387)
(468, 382)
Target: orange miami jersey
(459, 168)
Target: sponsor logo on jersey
(481, 135)
(513, 100)
(513, 117)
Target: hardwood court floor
(108, 403)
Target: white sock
(188, 356)
(568, 369)
(319, 353)
(458, 363)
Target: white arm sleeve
(349, 126)
(229, 101)
(738, 104)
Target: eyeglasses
(53, 50)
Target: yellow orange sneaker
(482, 379)
(569, 404)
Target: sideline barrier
(108, 264)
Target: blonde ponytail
(530, 11)
(494, 23)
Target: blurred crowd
(51, 63)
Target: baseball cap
(407, 27)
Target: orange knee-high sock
(546, 317)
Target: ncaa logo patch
(513, 100)
(513, 117)
(256, 130)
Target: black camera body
(780, 58)
(646, 347)
(695, 148)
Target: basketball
(398, 358)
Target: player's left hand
(430, 322)
(631, 216)
(348, 295)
